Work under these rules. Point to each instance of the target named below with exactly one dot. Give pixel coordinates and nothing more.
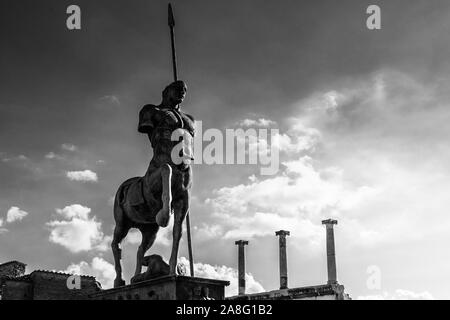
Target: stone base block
(167, 288)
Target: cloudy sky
(363, 136)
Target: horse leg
(181, 208)
(148, 238)
(163, 216)
(120, 232)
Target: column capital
(282, 233)
(241, 242)
(329, 222)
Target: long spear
(175, 78)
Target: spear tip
(171, 18)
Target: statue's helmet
(179, 84)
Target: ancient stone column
(331, 253)
(283, 258)
(241, 265)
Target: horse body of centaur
(147, 203)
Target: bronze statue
(147, 203)
(156, 267)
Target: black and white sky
(363, 119)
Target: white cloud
(163, 238)
(78, 232)
(297, 139)
(18, 158)
(75, 211)
(399, 294)
(327, 102)
(84, 176)
(15, 214)
(207, 232)
(51, 155)
(101, 269)
(104, 244)
(297, 199)
(261, 122)
(388, 131)
(204, 270)
(109, 100)
(369, 151)
(69, 147)
(376, 158)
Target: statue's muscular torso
(159, 123)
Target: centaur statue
(147, 203)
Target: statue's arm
(192, 126)
(146, 118)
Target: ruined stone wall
(53, 286)
(17, 290)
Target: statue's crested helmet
(176, 84)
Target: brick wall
(17, 290)
(53, 286)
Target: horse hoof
(119, 283)
(162, 219)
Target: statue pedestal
(167, 288)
